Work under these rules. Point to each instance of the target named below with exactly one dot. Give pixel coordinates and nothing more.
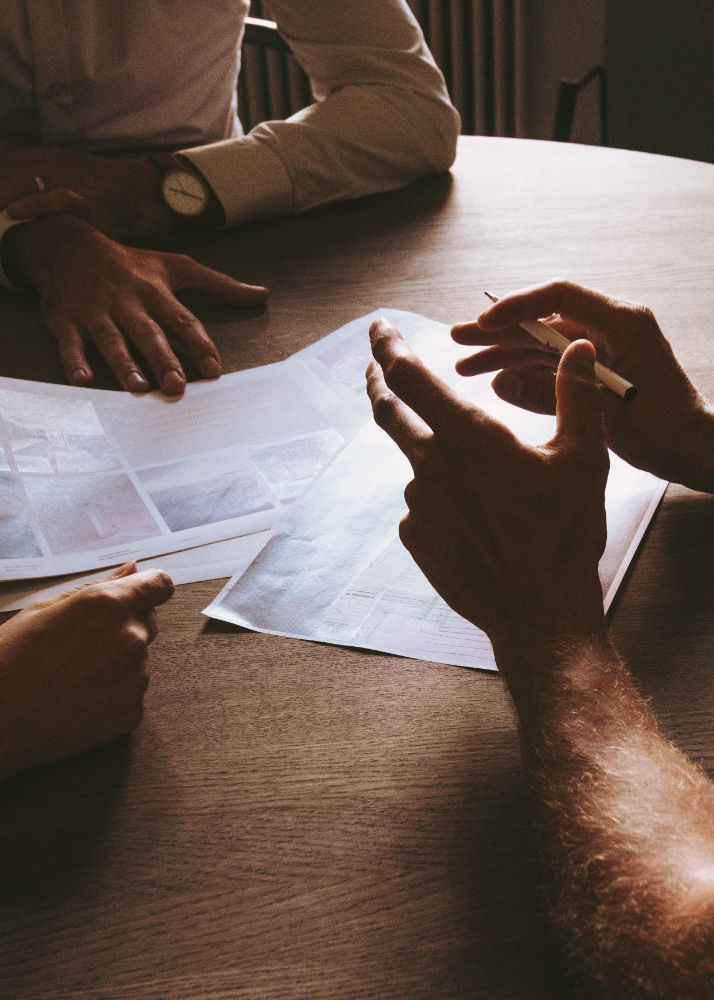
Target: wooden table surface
(294, 820)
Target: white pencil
(557, 342)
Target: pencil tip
(489, 295)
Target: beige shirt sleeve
(381, 117)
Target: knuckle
(53, 310)
(410, 492)
(399, 370)
(180, 259)
(643, 316)
(134, 640)
(407, 532)
(562, 288)
(422, 460)
(383, 407)
(145, 333)
(186, 322)
(105, 336)
(103, 601)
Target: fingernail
(135, 382)
(173, 383)
(211, 367)
(126, 569)
(378, 327)
(81, 377)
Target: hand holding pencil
(550, 337)
(668, 429)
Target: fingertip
(82, 378)
(210, 366)
(252, 294)
(457, 331)
(152, 588)
(173, 383)
(165, 587)
(467, 333)
(485, 320)
(165, 581)
(379, 327)
(136, 382)
(509, 386)
(126, 569)
(581, 354)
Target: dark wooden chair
(272, 85)
(568, 91)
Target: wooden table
(298, 821)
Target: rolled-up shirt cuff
(249, 180)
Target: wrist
(147, 215)
(185, 195)
(538, 661)
(700, 444)
(28, 249)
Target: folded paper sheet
(90, 478)
(335, 571)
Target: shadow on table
(54, 837)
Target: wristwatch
(185, 191)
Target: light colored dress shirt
(97, 75)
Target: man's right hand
(93, 290)
(667, 430)
(119, 195)
(73, 669)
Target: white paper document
(205, 562)
(335, 571)
(90, 478)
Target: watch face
(184, 192)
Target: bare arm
(510, 536)
(626, 827)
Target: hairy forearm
(627, 831)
